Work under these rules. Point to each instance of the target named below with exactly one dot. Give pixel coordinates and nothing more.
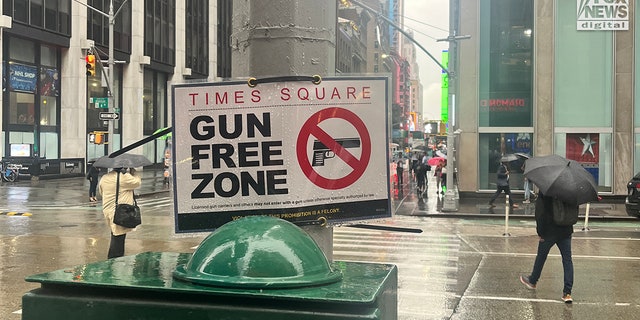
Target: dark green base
(141, 287)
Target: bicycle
(9, 172)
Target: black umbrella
(565, 179)
(125, 160)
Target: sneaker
(491, 205)
(526, 202)
(514, 206)
(525, 281)
(566, 297)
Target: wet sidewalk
(62, 192)
(407, 202)
(25, 193)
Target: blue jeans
(527, 191)
(564, 244)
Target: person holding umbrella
(550, 234)
(126, 180)
(559, 181)
(502, 184)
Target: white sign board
(294, 150)
(603, 15)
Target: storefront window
(492, 147)
(21, 108)
(49, 145)
(506, 53)
(22, 50)
(592, 150)
(155, 112)
(48, 110)
(48, 56)
(583, 83)
(147, 102)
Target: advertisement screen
(20, 150)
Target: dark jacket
(544, 219)
(502, 177)
(93, 174)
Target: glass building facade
(505, 87)
(540, 85)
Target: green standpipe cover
(258, 252)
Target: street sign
(295, 150)
(109, 116)
(102, 103)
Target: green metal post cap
(258, 252)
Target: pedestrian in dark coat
(502, 184)
(550, 234)
(92, 176)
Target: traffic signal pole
(111, 100)
(112, 107)
(450, 203)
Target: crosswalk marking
(430, 260)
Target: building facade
(56, 114)
(51, 108)
(536, 78)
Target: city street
(457, 267)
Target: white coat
(107, 188)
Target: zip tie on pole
(315, 79)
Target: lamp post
(449, 199)
(111, 101)
(449, 203)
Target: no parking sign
(295, 150)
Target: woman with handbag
(124, 182)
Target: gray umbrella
(522, 155)
(125, 160)
(565, 179)
(508, 157)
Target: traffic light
(91, 65)
(99, 138)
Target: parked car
(632, 201)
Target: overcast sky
(430, 21)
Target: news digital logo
(603, 14)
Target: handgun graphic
(322, 152)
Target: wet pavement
(451, 269)
(25, 193)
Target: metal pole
(111, 100)
(586, 218)
(450, 202)
(506, 217)
(287, 27)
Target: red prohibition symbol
(311, 128)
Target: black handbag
(126, 215)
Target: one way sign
(109, 116)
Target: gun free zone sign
(293, 150)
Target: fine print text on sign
(293, 150)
